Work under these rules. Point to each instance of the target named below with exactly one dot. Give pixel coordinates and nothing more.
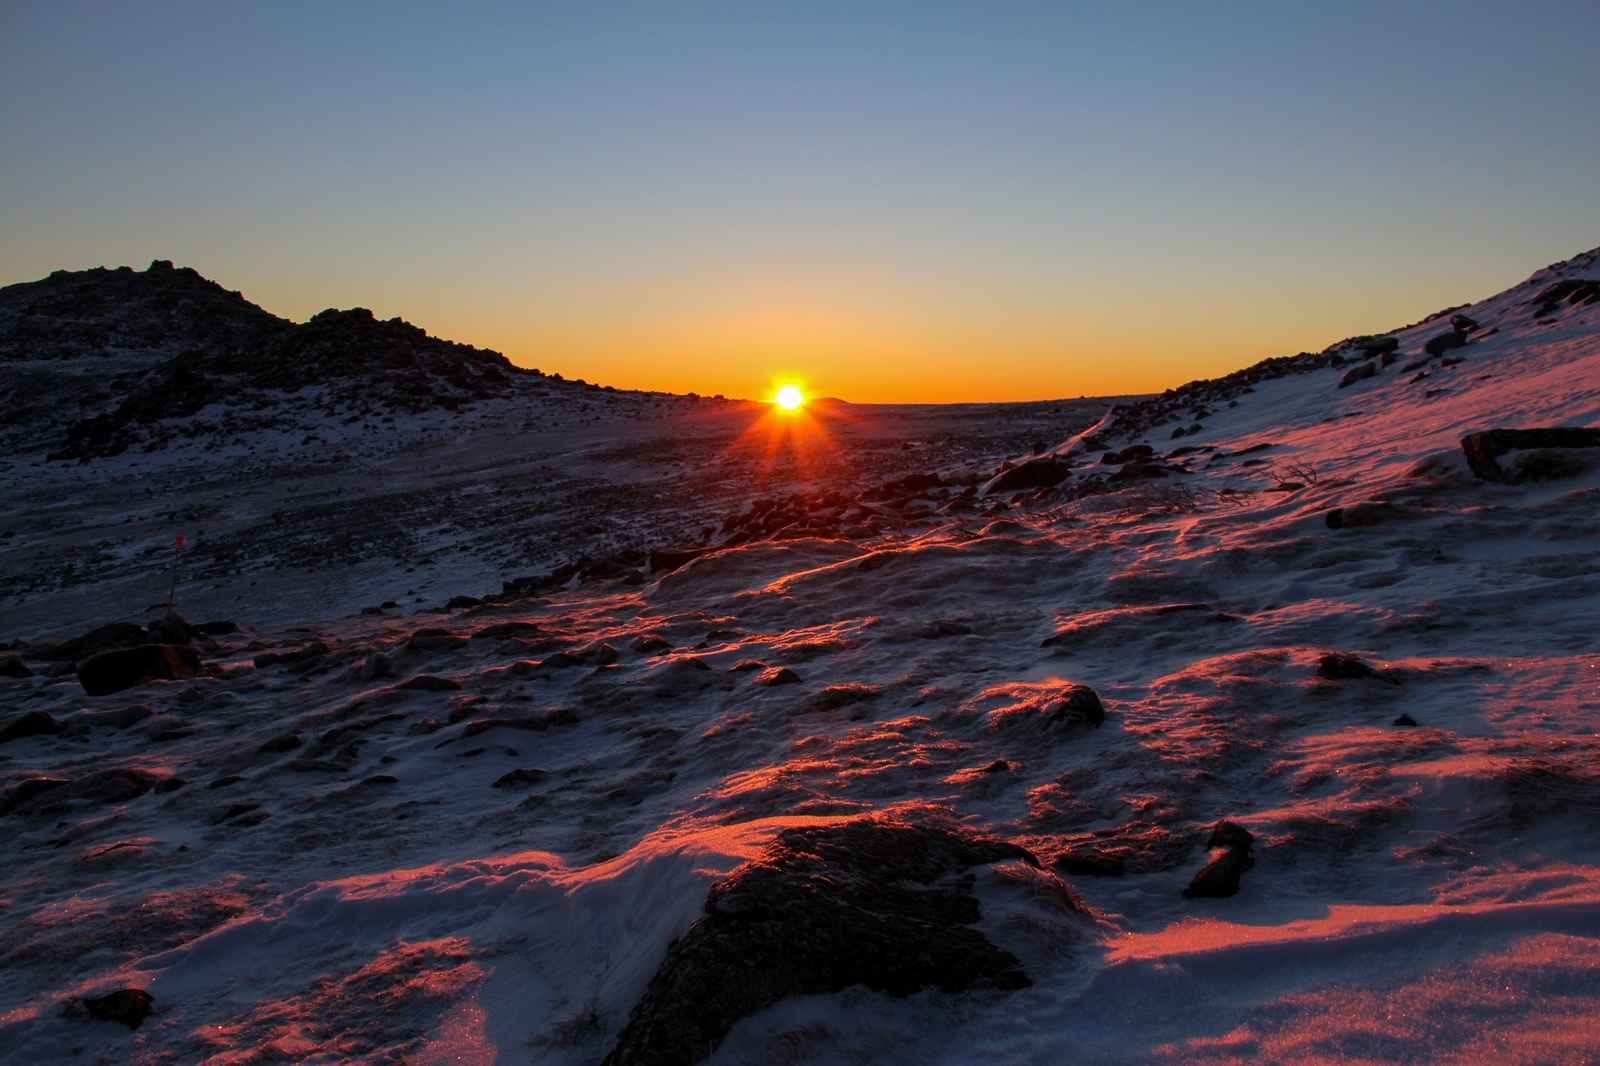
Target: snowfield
(487, 834)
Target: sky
(885, 202)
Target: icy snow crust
(1420, 893)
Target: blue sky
(886, 201)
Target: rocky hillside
(106, 360)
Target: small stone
(1405, 721)
(778, 675)
(12, 666)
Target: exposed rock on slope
(865, 902)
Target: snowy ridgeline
(1279, 740)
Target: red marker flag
(180, 542)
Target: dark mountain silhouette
(98, 357)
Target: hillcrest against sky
(912, 202)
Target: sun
(790, 398)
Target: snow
(1422, 893)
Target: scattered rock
(280, 744)
(25, 791)
(458, 603)
(1371, 346)
(1076, 705)
(430, 641)
(429, 683)
(778, 675)
(379, 779)
(129, 1006)
(507, 630)
(123, 668)
(314, 650)
(1442, 343)
(32, 724)
(1546, 464)
(867, 903)
(745, 666)
(373, 667)
(1232, 853)
(1089, 864)
(1338, 667)
(1463, 324)
(102, 786)
(1484, 447)
(105, 638)
(515, 778)
(219, 628)
(649, 643)
(666, 560)
(1360, 373)
(1041, 473)
(836, 696)
(534, 722)
(934, 630)
(11, 666)
(1405, 721)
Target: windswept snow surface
(1420, 893)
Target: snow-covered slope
(1307, 619)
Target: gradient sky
(909, 202)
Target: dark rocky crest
(114, 352)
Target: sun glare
(789, 398)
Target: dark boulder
(1405, 721)
(314, 650)
(1232, 853)
(32, 724)
(518, 778)
(1360, 373)
(1336, 667)
(431, 640)
(1371, 346)
(777, 675)
(868, 902)
(1042, 473)
(12, 666)
(429, 683)
(280, 744)
(1484, 447)
(458, 603)
(102, 786)
(1075, 706)
(1463, 324)
(130, 1006)
(113, 671)
(665, 560)
(649, 643)
(1442, 343)
(220, 628)
(23, 792)
(168, 632)
(507, 630)
(105, 638)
